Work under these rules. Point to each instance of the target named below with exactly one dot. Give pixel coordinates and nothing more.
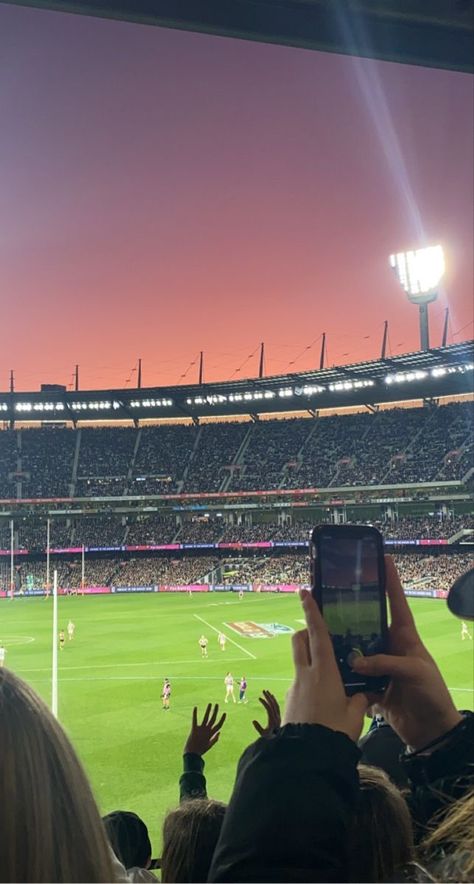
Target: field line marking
(231, 640)
(127, 665)
(264, 678)
(158, 678)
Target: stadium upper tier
(426, 374)
(387, 447)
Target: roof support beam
(415, 34)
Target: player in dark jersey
(243, 690)
(61, 640)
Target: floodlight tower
(419, 273)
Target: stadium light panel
(419, 272)
(308, 390)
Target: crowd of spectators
(393, 446)
(433, 572)
(8, 464)
(47, 459)
(112, 529)
(149, 572)
(216, 451)
(199, 530)
(162, 457)
(151, 529)
(422, 571)
(312, 800)
(426, 527)
(34, 575)
(265, 569)
(102, 447)
(272, 445)
(104, 530)
(31, 533)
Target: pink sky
(164, 193)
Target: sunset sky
(163, 193)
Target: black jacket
(293, 801)
(296, 794)
(192, 782)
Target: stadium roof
(444, 371)
(438, 33)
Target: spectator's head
(190, 835)
(381, 747)
(51, 828)
(448, 848)
(129, 838)
(381, 840)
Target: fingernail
(359, 663)
(303, 594)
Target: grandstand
(159, 503)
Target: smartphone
(348, 583)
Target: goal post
(54, 662)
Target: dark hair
(381, 837)
(190, 836)
(129, 838)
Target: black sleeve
(192, 782)
(293, 801)
(440, 776)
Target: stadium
(158, 527)
(155, 540)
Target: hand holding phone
(417, 703)
(348, 584)
(317, 695)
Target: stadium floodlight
(419, 274)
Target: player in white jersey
(203, 643)
(166, 693)
(241, 594)
(465, 631)
(221, 638)
(2, 656)
(229, 687)
(71, 627)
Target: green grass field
(110, 681)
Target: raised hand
(270, 704)
(204, 736)
(317, 695)
(417, 703)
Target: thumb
(359, 704)
(258, 727)
(385, 664)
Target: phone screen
(352, 597)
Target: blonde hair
(451, 842)
(381, 839)
(51, 828)
(190, 835)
